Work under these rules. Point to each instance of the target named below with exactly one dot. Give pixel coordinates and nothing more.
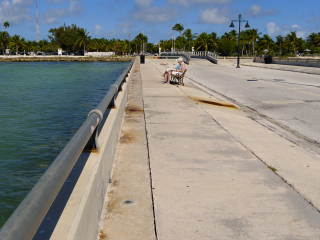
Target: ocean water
(41, 106)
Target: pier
(198, 161)
(201, 168)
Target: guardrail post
(112, 103)
(93, 144)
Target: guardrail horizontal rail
(282, 59)
(28, 216)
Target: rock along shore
(65, 59)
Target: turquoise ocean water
(41, 106)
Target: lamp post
(246, 26)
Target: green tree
(66, 36)
(215, 40)
(291, 40)
(4, 40)
(232, 35)
(178, 27)
(134, 44)
(141, 38)
(82, 38)
(244, 39)
(180, 42)
(279, 43)
(16, 42)
(189, 36)
(6, 24)
(226, 46)
(204, 40)
(167, 45)
(253, 36)
(313, 40)
(265, 42)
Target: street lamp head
(231, 25)
(247, 25)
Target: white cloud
(215, 16)
(74, 7)
(53, 15)
(55, 1)
(121, 31)
(272, 29)
(197, 2)
(144, 3)
(154, 15)
(301, 33)
(97, 29)
(15, 12)
(255, 9)
(295, 26)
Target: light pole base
(238, 66)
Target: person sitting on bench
(171, 69)
(175, 71)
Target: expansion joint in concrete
(254, 154)
(148, 150)
(251, 112)
(282, 178)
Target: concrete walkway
(206, 183)
(282, 67)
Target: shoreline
(65, 59)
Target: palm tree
(82, 38)
(3, 40)
(215, 40)
(17, 42)
(291, 39)
(142, 39)
(280, 42)
(189, 36)
(253, 35)
(314, 39)
(265, 42)
(232, 35)
(6, 24)
(178, 27)
(245, 39)
(181, 42)
(204, 40)
(226, 36)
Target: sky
(155, 18)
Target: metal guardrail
(204, 53)
(289, 59)
(177, 53)
(188, 55)
(28, 216)
(213, 57)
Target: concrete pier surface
(191, 165)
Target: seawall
(81, 214)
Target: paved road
(215, 173)
(290, 99)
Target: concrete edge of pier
(82, 212)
